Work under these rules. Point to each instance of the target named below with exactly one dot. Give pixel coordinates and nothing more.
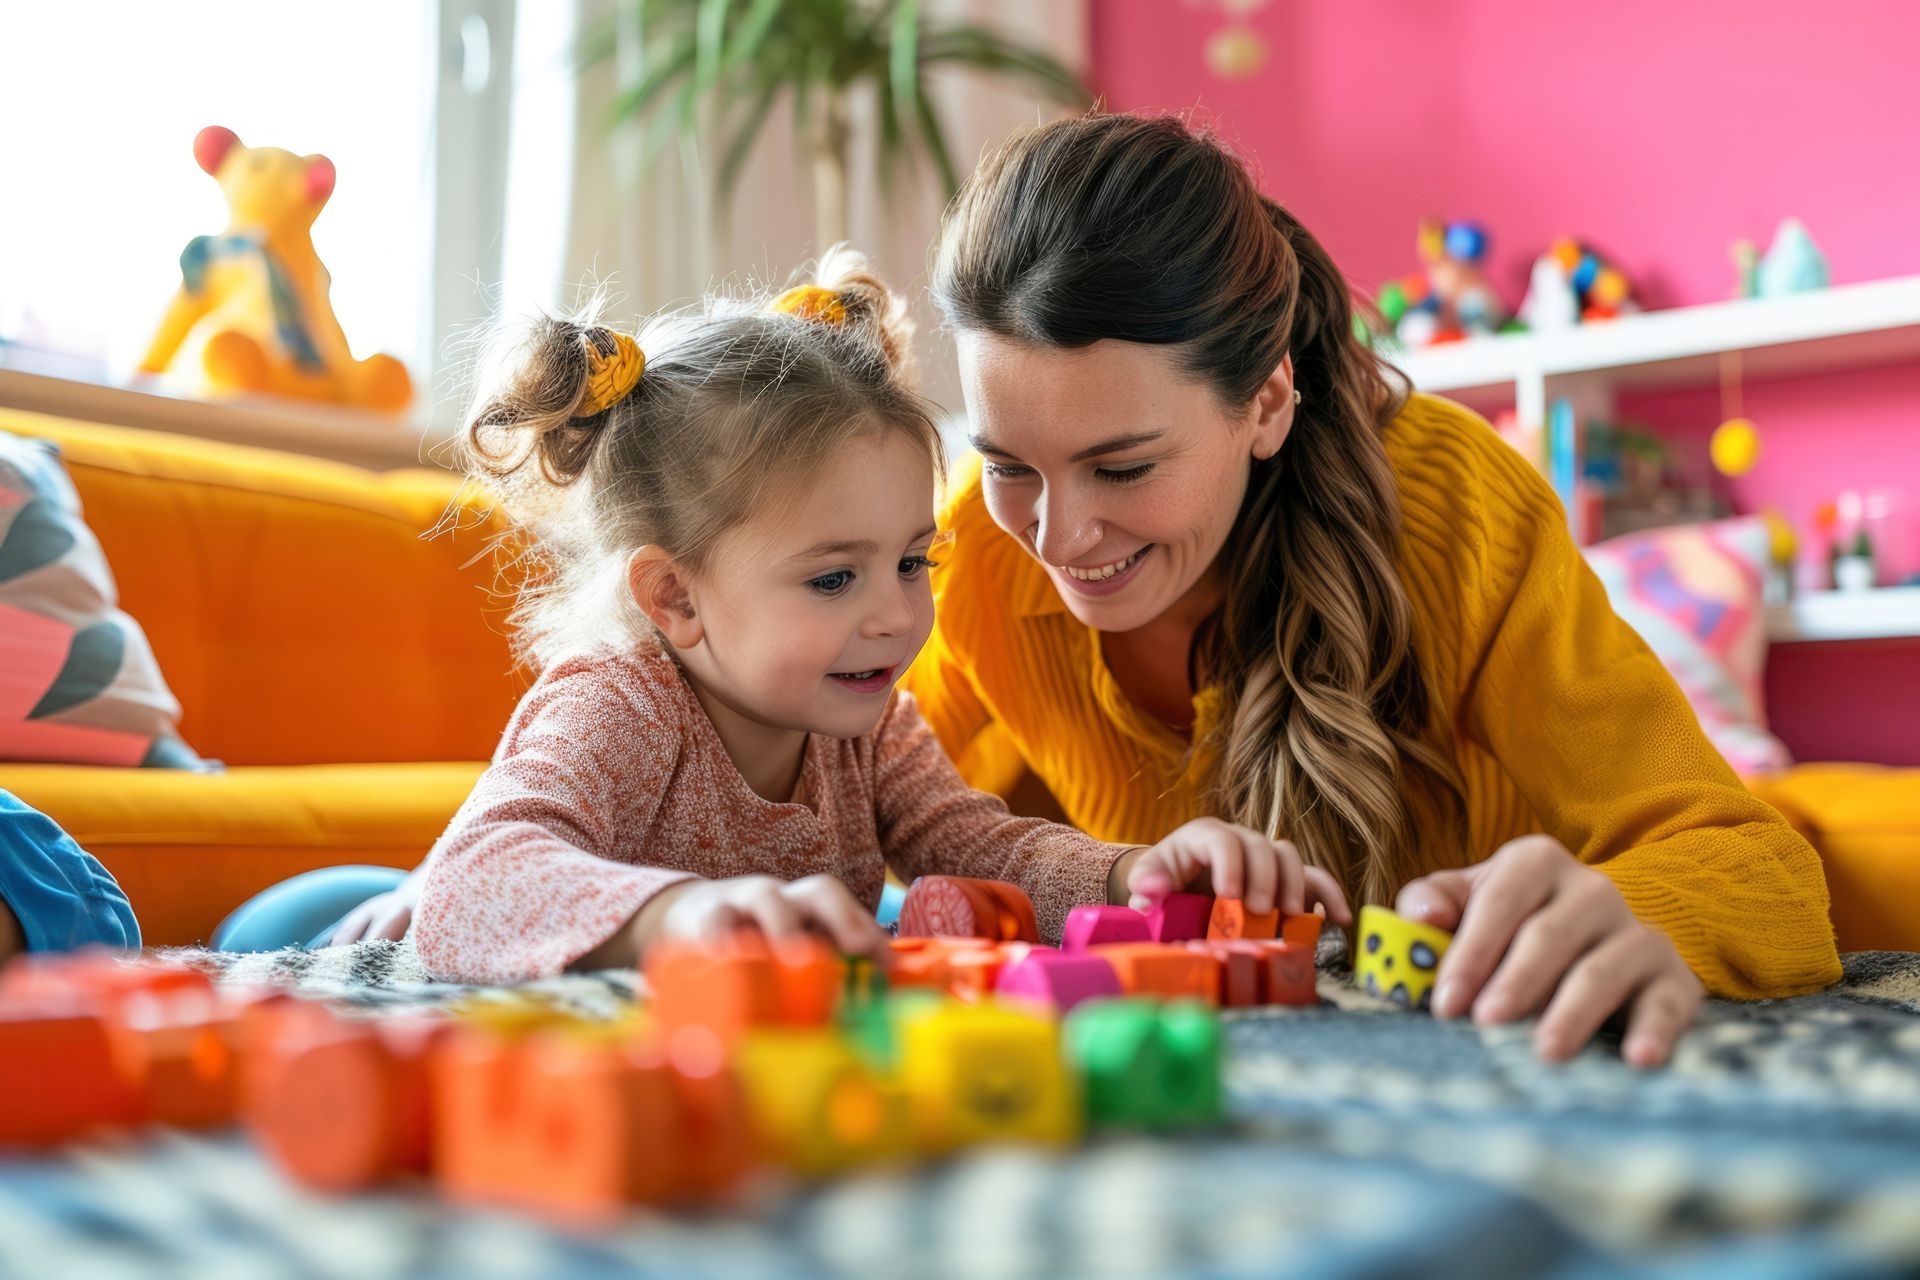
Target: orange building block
(59, 1075)
(185, 1052)
(745, 982)
(1301, 930)
(1286, 971)
(1238, 978)
(341, 1105)
(1231, 919)
(957, 906)
(716, 1127)
(103, 977)
(1161, 969)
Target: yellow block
(817, 1107)
(1397, 958)
(985, 1072)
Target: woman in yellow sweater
(1216, 561)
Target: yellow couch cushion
(189, 848)
(1865, 821)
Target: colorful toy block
(744, 982)
(1093, 925)
(60, 1078)
(1397, 958)
(341, 1105)
(817, 1108)
(1302, 930)
(984, 1072)
(104, 978)
(1179, 917)
(1287, 974)
(185, 1052)
(1145, 1065)
(1058, 980)
(1239, 973)
(715, 1130)
(1231, 920)
(956, 906)
(1154, 969)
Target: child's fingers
(837, 913)
(393, 926)
(1290, 891)
(776, 917)
(1323, 888)
(1150, 880)
(348, 931)
(1260, 882)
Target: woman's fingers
(1543, 950)
(1438, 899)
(1599, 983)
(1662, 1011)
(1515, 882)
(1225, 853)
(1263, 874)
(1325, 890)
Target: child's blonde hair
(736, 405)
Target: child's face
(811, 613)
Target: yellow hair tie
(811, 302)
(610, 374)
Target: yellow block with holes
(1396, 958)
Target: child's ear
(1273, 407)
(659, 587)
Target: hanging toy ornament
(1238, 51)
(1735, 445)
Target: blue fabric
(58, 891)
(303, 911)
(889, 911)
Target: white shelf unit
(1888, 613)
(1848, 326)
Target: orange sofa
(354, 676)
(352, 673)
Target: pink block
(1062, 981)
(1090, 926)
(1180, 916)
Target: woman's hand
(1230, 862)
(386, 915)
(1537, 929)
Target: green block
(1146, 1064)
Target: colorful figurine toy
(1396, 958)
(1453, 298)
(252, 313)
(1573, 284)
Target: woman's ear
(1273, 407)
(659, 585)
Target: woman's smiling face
(1115, 469)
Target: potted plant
(733, 61)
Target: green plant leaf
(740, 146)
(638, 99)
(903, 70)
(936, 142)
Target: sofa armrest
(296, 606)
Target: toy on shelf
(1396, 958)
(1793, 263)
(252, 313)
(1452, 298)
(1572, 284)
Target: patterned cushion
(1693, 592)
(78, 683)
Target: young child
(736, 512)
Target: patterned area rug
(1784, 1140)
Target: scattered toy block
(715, 1130)
(1179, 917)
(1302, 930)
(60, 1078)
(957, 906)
(1093, 925)
(107, 978)
(743, 983)
(1231, 920)
(342, 1106)
(972, 973)
(1396, 958)
(984, 1072)
(1146, 1065)
(817, 1108)
(1058, 980)
(185, 1052)
(1155, 969)
(1239, 973)
(1287, 974)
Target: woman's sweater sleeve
(1604, 746)
(524, 881)
(932, 823)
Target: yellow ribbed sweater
(1563, 720)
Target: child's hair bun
(871, 307)
(533, 412)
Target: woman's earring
(1296, 395)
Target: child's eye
(1004, 471)
(912, 566)
(832, 584)
(1127, 475)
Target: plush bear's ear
(210, 147)
(319, 178)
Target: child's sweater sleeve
(526, 879)
(932, 823)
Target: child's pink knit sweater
(611, 784)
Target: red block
(1286, 971)
(185, 1052)
(1170, 972)
(103, 977)
(1093, 925)
(1179, 917)
(956, 906)
(1239, 973)
(59, 1075)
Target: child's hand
(710, 910)
(1536, 928)
(385, 915)
(1231, 862)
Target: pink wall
(1659, 132)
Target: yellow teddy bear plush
(252, 313)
